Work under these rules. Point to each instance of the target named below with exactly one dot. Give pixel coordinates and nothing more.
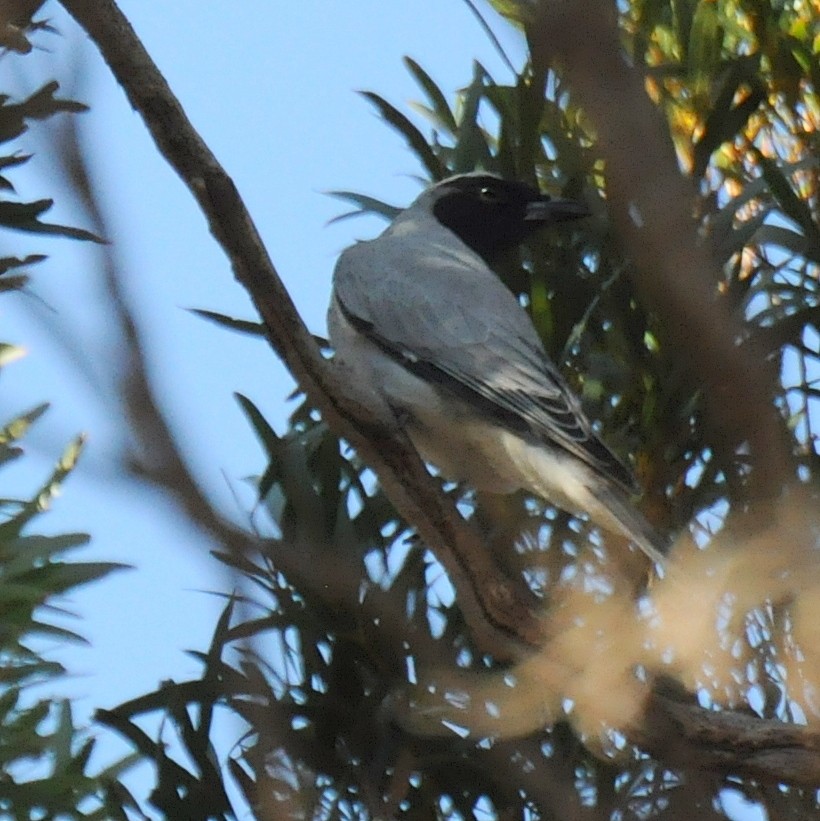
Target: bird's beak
(555, 210)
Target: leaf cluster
(14, 119)
(44, 754)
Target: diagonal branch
(496, 610)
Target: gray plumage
(419, 316)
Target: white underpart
(468, 447)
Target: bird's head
(492, 215)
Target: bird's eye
(489, 194)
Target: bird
(418, 316)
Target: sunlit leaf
(10, 353)
(518, 12)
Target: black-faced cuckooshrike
(419, 316)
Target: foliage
(346, 606)
(44, 755)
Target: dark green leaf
(414, 137)
(365, 204)
(726, 121)
(244, 326)
(438, 102)
(796, 244)
(265, 433)
(471, 149)
(793, 207)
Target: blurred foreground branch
(653, 204)
(155, 456)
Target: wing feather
(451, 320)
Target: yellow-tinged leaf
(71, 455)
(10, 353)
(17, 428)
(704, 45)
(519, 12)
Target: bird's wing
(449, 319)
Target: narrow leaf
(244, 326)
(17, 428)
(438, 101)
(414, 137)
(471, 149)
(265, 433)
(793, 207)
(365, 204)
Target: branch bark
(729, 742)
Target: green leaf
(23, 216)
(60, 577)
(62, 738)
(438, 102)
(789, 240)
(53, 632)
(518, 12)
(506, 102)
(22, 554)
(471, 150)
(725, 121)
(414, 137)
(705, 39)
(42, 501)
(17, 428)
(32, 672)
(793, 207)
(264, 432)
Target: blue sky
(271, 88)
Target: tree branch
(496, 610)
(729, 742)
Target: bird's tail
(628, 520)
